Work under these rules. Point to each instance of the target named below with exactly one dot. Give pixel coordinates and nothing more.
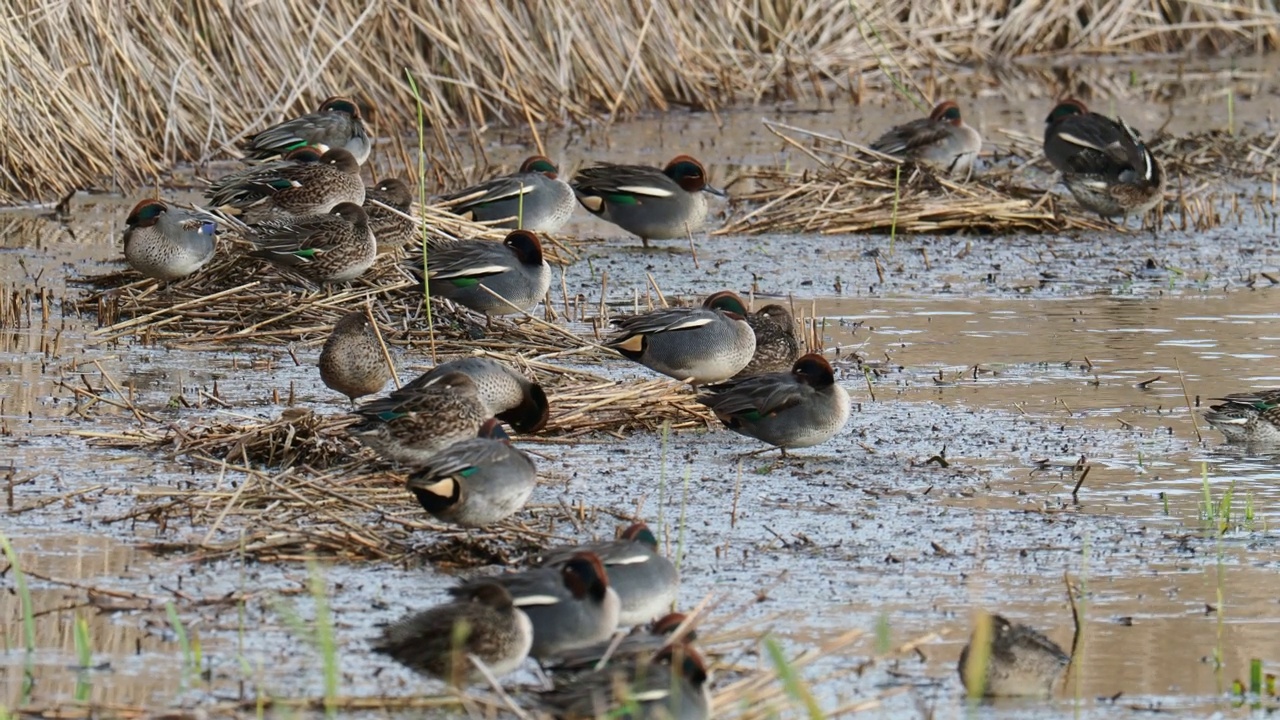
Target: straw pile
(142, 86)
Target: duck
(483, 622)
(645, 201)
(334, 246)
(1021, 662)
(472, 272)
(298, 185)
(167, 242)
(410, 425)
(777, 346)
(672, 685)
(1105, 165)
(352, 361)
(534, 198)
(391, 231)
(801, 408)
(1247, 417)
(571, 605)
(477, 482)
(700, 345)
(505, 393)
(646, 582)
(336, 124)
(642, 642)
(942, 140)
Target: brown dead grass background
(109, 94)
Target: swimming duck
(1247, 417)
(1021, 662)
(671, 685)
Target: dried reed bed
(142, 86)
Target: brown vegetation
(115, 94)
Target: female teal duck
(392, 231)
(484, 621)
(802, 408)
(1248, 417)
(336, 246)
(298, 185)
(942, 140)
(645, 201)
(167, 242)
(777, 346)
(410, 426)
(646, 582)
(1103, 162)
(534, 198)
(700, 344)
(351, 361)
(506, 394)
(476, 482)
(1020, 663)
(337, 124)
(472, 272)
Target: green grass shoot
(791, 681)
(884, 634)
(24, 594)
(190, 661)
(84, 646)
(325, 642)
(975, 666)
(422, 202)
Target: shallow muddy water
(1011, 357)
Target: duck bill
(715, 191)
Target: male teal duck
(1103, 162)
(337, 124)
(802, 408)
(669, 685)
(942, 140)
(167, 242)
(777, 346)
(645, 201)
(699, 344)
(646, 582)
(534, 198)
(505, 393)
(472, 272)
(476, 482)
(571, 605)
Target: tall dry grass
(104, 93)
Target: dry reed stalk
(164, 82)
